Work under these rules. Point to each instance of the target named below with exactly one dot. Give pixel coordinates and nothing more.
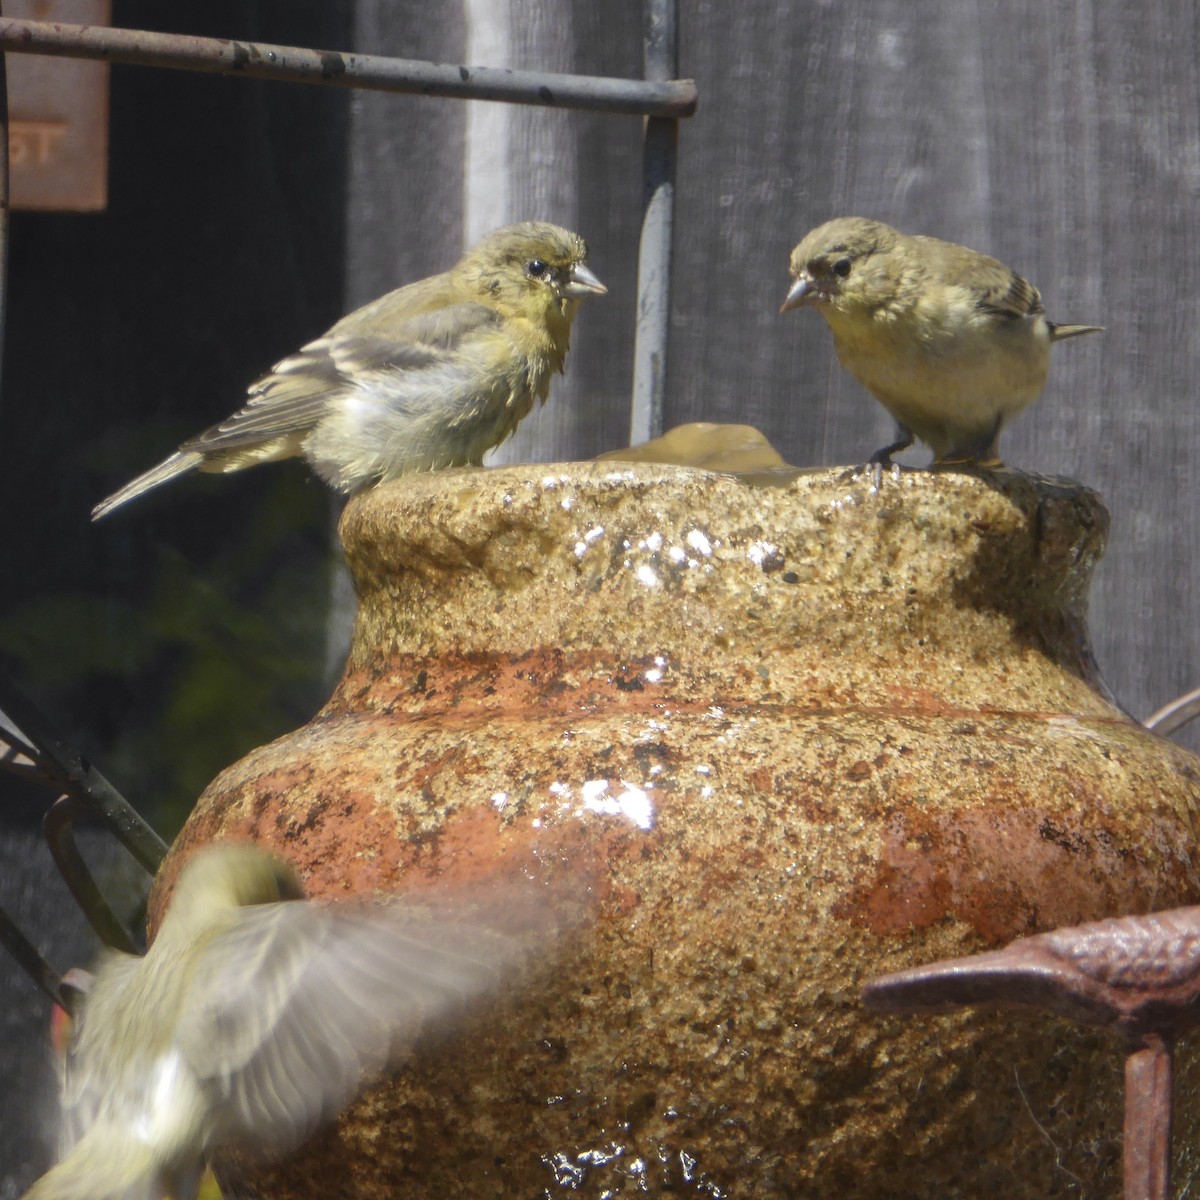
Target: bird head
(843, 264)
(532, 269)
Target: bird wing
(98, 1159)
(90, 1063)
(1011, 298)
(998, 290)
(298, 1005)
(293, 396)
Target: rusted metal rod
(1149, 1109)
(1137, 975)
(26, 954)
(258, 60)
(1175, 715)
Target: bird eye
(536, 268)
(841, 268)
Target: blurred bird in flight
(254, 1018)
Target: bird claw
(875, 466)
(883, 458)
(873, 469)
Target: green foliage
(205, 659)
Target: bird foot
(883, 457)
(873, 469)
(875, 466)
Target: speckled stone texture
(772, 740)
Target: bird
(430, 375)
(253, 1018)
(951, 342)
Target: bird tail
(1059, 333)
(177, 464)
(103, 1165)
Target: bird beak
(581, 282)
(803, 293)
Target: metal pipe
(654, 252)
(16, 753)
(1149, 1109)
(258, 60)
(1175, 715)
(27, 956)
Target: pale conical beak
(802, 292)
(581, 282)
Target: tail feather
(104, 1165)
(1059, 333)
(170, 468)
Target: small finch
(431, 375)
(254, 1018)
(952, 343)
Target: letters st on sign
(58, 116)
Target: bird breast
(944, 364)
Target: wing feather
(305, 1003)
(998, 290)
(1012, 299)
(293, 396)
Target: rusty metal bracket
(1137, 975)
(37, 750)
(59, 828)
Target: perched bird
(952, 343)
(254, 1017)
(431, 375)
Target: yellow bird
(254, 1018)
(951, 342)
(431, 375)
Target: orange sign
(58, 116)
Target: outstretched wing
(299, 1005)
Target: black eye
(536, 268)
(841, 268)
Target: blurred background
(245, 216)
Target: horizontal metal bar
(672, 98)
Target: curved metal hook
(1175, 715)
